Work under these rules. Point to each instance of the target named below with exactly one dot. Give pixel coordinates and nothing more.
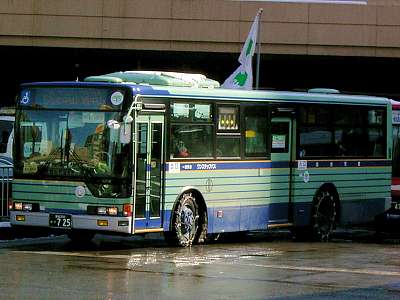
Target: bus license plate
(60, 220)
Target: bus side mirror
(125, 133)
(126, 130)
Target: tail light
(10, 204)
(127, 210)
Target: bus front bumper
(86, 222)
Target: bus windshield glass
(73, 145)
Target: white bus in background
(7, 118)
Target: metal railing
(6, 175)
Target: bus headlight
(112, 211)
(18, 205)
(27, 206)
(101, 210)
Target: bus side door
(149, 172)
(282, 174)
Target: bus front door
(148, 178)
(282, 173)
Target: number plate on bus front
(60, 220)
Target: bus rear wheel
(185, 223)
(324, 214)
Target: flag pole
(260, 11)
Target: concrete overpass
(302, 43)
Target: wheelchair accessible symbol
(25, 98)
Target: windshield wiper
(51, 157)
(87, 171)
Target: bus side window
(191, 141)
(256, 132)
(191, 130)
(228, 132)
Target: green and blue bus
(139, 152)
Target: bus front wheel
(185, 221)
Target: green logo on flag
(240, 79)
(249, 46)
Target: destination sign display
(54, 97)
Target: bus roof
(220, 94)
(157, 78)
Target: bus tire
(185, 222)
(324, 213)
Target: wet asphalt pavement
(259, 267)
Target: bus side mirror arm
(126, 129)
(136, 105)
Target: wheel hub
(187, 221)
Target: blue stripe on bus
(244, 218)
(208, 166)
(230, 177)
(346, 163)
(235, 218)
(215, 165)
(285, 175)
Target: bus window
(191, 112)
(315, 133)
(375, 133)
(256, 132)
(34, 138)
(191, 141)
(191, 130)
(228, 146)
(349, 132)
(228, 132)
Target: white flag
(250, 44)
(242, 78)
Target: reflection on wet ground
(112, 243)
(258, 266)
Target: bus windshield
(77, 145)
